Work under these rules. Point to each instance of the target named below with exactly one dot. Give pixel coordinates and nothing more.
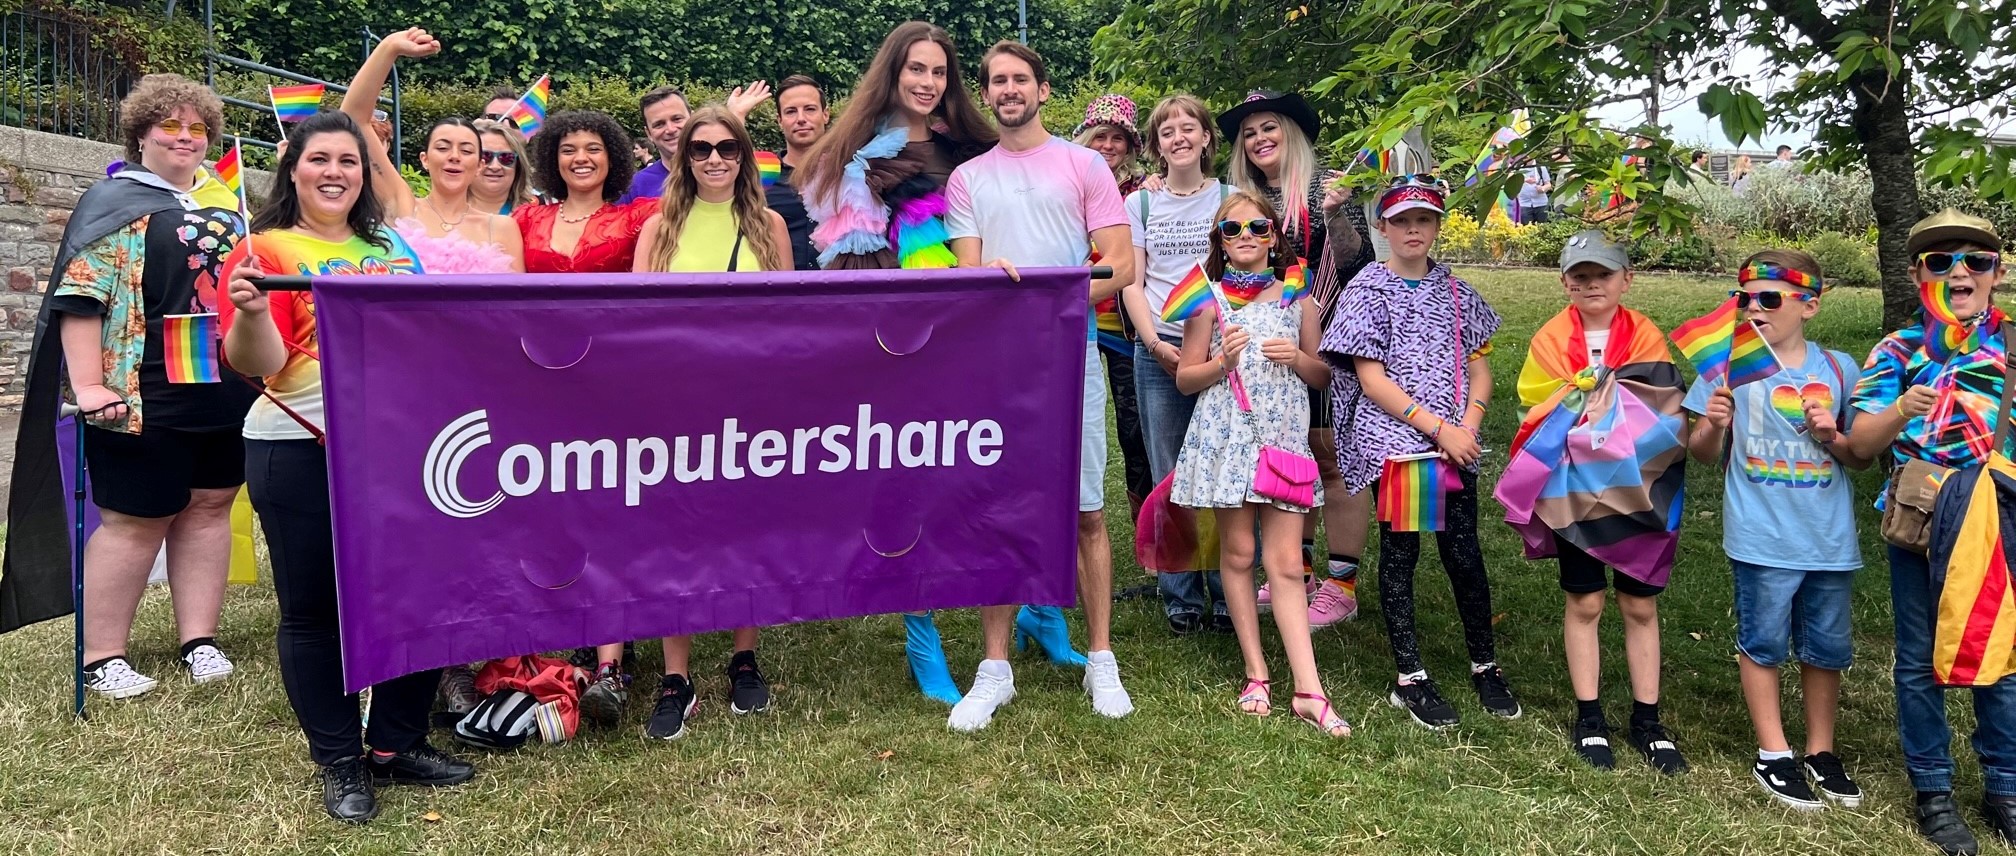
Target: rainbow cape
(1598, 461)
(1974, 636)
(530, 110)
(189, 348)
(1414, 490)
(769, 167)
(295, 103)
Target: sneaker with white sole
(205, 664)
(116, 678)
(993, 686)
(1830, 780)
(1782, 779)
(1331, 604)
(1102, 682)
(1265, 599)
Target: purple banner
(532, 463)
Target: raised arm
(362, 98)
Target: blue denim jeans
(1921, 703)
(1165, 415)
(1809, 608)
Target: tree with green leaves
(1902, 87)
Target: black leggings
(1462, 558)
(289, 480)
(1127, 420)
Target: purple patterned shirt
(1422, 334)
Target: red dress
(608, 240)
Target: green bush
(1844, 260)
(1542, 244)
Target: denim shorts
(1805, 613)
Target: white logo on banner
(732, 453)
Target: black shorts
(1582, 573)
(150, 474)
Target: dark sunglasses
(729, 149)
(499, 117)
(1768, 301)
(504, 158)
(1260, 228)
(1944, 263)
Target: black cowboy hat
(1291, 105)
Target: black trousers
(1127, 421)
(289, 481)
(1462, 560)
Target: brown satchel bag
(1914, 487)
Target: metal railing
(53, 79)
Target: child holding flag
(1788, 521)
(1595, 479)
(1408, 343)
(1251, 418)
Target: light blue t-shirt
(1787, 502)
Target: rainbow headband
(1765, 270)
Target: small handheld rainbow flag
(769, 167)
(229, 172)
(530, 110)
(1381, 162)
(1294, 285)
(1750, 357)
(1188, 298)
(1413, 492)
(1705, 340)
(189, 348)
(295, 103)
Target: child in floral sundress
(1256, 285)
(1408, 344)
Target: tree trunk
(1884, 128)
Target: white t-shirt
(1036, 208)
(1596, 340)
(1176, 236)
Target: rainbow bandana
(1946, 333)
(1797, 278)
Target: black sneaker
(1185, 623)
(1657, 748)
(676, 703)
(2000, 813)
(602, 702)
(346, 791)
(1832, 781)
(1939, 822)
(422, 765)
(1424, 704)
(1495, 693)
(1591, 742)
(1221, 624)
(751, 693)
(1782, 779)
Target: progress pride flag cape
(1598, 460)
(531, 463)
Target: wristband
(1408, 414)
(1479, 405)
(1435, 434)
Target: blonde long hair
(752, 216)
(1298, 164)
(520, 191)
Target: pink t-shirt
(1036, 208)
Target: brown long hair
(752, 216)
(872, 101)
(1215, 263)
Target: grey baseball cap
(1590, 245)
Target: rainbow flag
(769, 167)
(295, 103)
(229, 171)
(1705, 340)
(1381, 162)
(1750, 357)
(1188, 298)
(530, 110)
(189, 348)
(1413, 492)
(1504, 207)
(1294, 284)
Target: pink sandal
(1256, 699)
(1325, 720)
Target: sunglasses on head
(502, 157)
(1944, 263)
(1419, 180)
(172, 127)
(499, 117)
(1767, 300)
(1260, 228)
(729, 149)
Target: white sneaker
(117, 679)
(207, 664)
(993, 687)
(1102, 681)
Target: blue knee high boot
(927, 658)
(1045, 626)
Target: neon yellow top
(709, 239)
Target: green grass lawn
(854, 760)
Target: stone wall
(41, 176)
